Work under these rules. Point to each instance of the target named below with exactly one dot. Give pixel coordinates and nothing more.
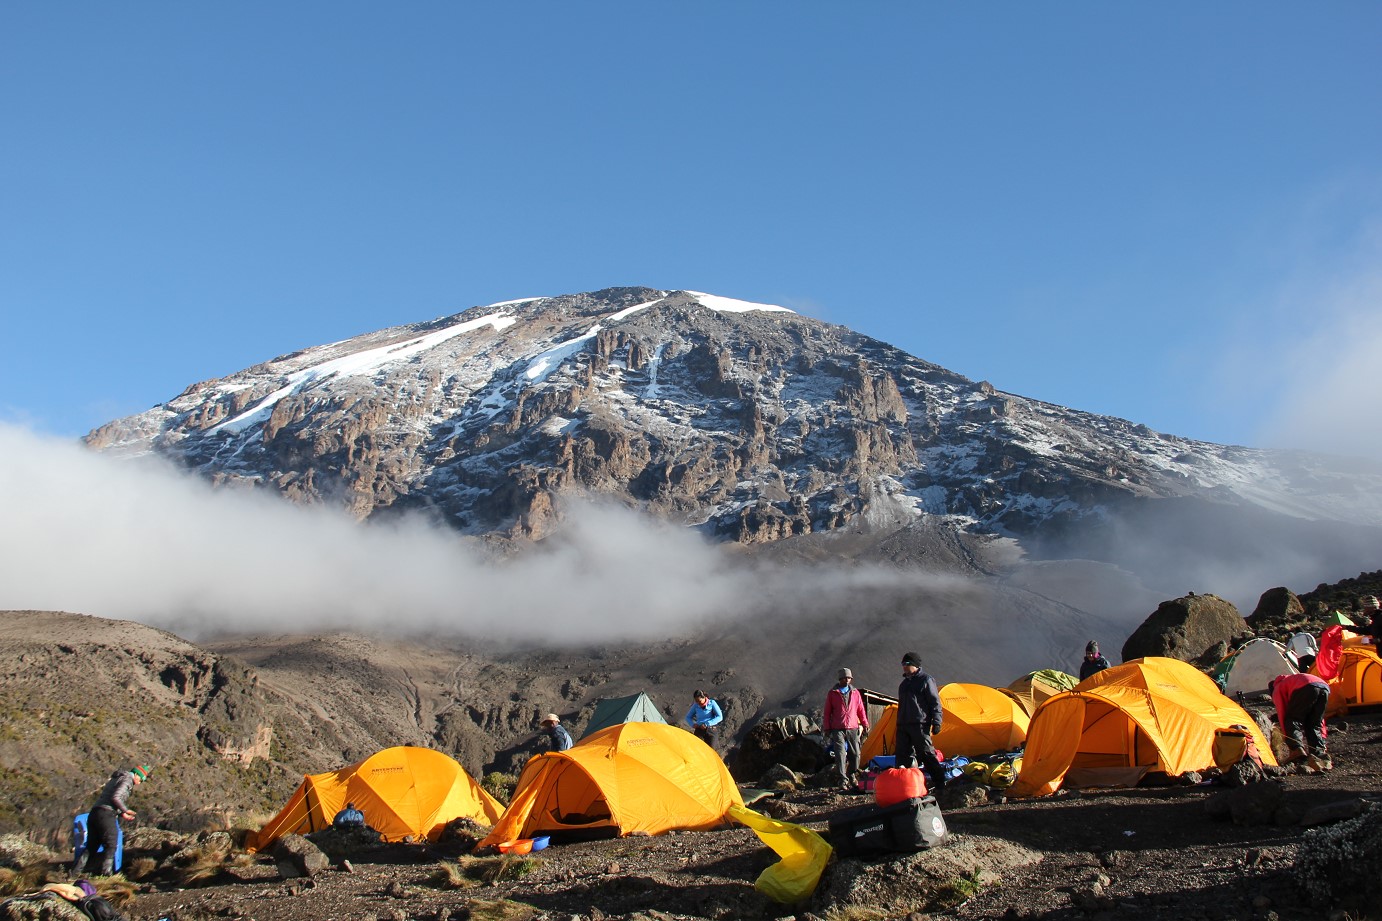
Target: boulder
(297, 857)
(778, 741)
(1277, 610)
(1254, 804)
(1340, 866)
(18, 852)
(1190, 629)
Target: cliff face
(749, 421)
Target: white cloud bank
(138, 540)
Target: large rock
(1340, 866)
(296, 856)
(1190, 629)
(1279, 613)
(792, 741)
(1253, 804)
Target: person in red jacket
(844, 722)
(1300, 704)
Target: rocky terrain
(232, 725)
(1192, 851)
(750, 423)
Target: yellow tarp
(1148, 714)
(1358, 682)
(648, 778)
(975, 721)
(403, 792)
(804, 855)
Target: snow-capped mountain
(749, 421)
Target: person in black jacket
(918, 718)
(103, 821)
(1093, 662)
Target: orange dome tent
(403, 792)
(976, 720)
(1358, 682)
(1152, 714)
(648, 778)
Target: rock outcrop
(1198, 629)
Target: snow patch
(359, 363)
(730, 305)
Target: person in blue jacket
(558, 739)
(703, 717)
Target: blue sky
(1166, 212)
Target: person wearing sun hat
(558, 739)
(103, 820)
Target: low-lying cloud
(140, 540)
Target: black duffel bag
(911, 825)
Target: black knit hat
(1091, 646)
(912, 658)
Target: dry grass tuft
(854, 913)
(502, 910)
(140, 868)
(491, 870)
(115, 889)
(27, 878)
(450, 876)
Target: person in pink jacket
(1300, 704)
(844, 722)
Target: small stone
(1253, 857)
(613, 867)
(1261, 902)
(346, 866)
(1102, 881)
(397, 890)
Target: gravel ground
(1126, 854)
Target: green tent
(1337, 617)
(636, 708)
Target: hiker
(558, 739)
(1371, 610)
(918, 718)
(1093, 662)
(844, 722)
(103, 821)
(348, 818)
(704, 716)
(1300, 701)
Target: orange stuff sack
(897, 784)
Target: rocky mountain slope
(748, 421)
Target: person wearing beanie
(704, 716)
(844, 721)
(1093, 662)
(103, 821)
(558, 739)
(918, 718)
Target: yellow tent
(1034, 688)
(403, 792)
(1358, 682)
(975, 720)
(882, 737)
(648, 778)
(1152, 714)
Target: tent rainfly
(975, 720)
(1153, 714)
(404, 792)
(646, 778)
(1248, 669)
(1358, 682)
(1033, 688)
(636, 708)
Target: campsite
(1113, 812)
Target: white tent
(1255, 663)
